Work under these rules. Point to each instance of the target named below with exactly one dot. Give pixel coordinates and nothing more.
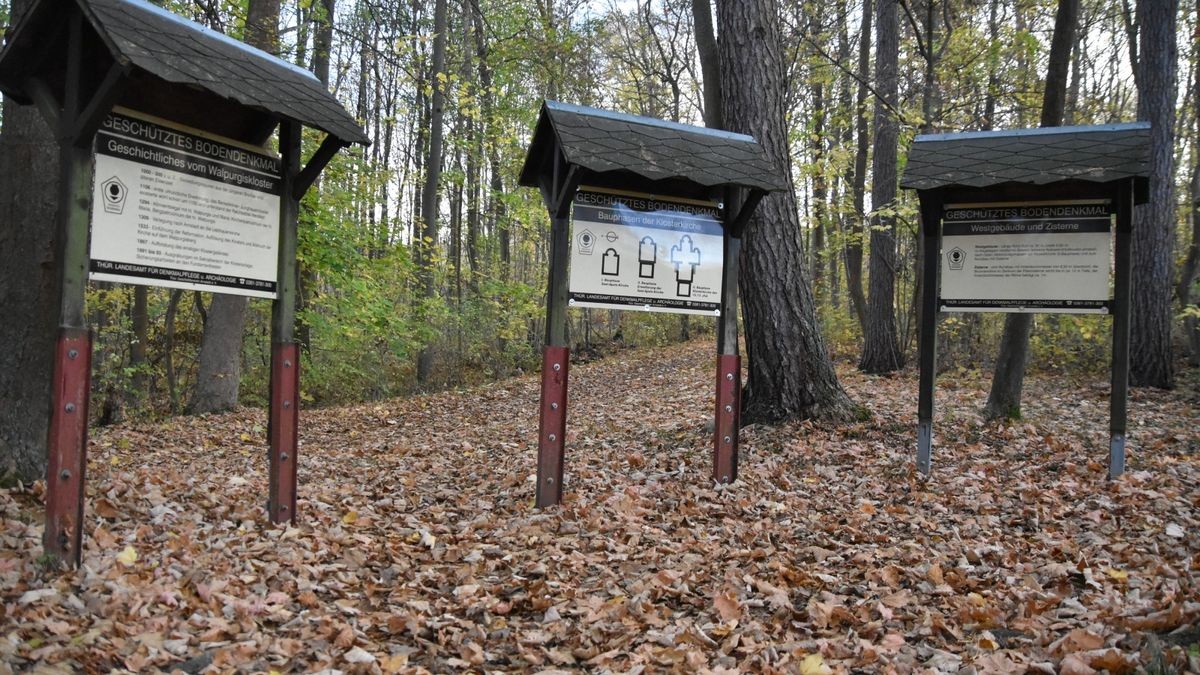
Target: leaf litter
(417, 547)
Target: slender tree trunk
(819, 189)
(1190, 273)
(433, 174)
(1150, 362)
(1004, 399)
(29, 288)
(854, 237)
(790, 371)
(881, 346)
(141, 336)
(710, 63)
(220, 361)
(322, 44)
(169, 349)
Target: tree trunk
(169, 349)
(854, 238)
(433, 174)
(881, 346)
(1191, 267)
(219, 368)
(306, 276)
(1150, 363)
(819, 189)
(790, 371)
(29, 289)
(1004, 399)
(141, 335)
(710, 63)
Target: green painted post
(1118, 397)
(284, 415)
(931, 217)
(66, 443)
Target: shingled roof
(1094, 154)
(606, 142)
(179, 51)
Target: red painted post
(728, 417)
(67, 444)
(552, 425)
(283, 425)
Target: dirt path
(418, 546)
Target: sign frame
(1121, 195)
(175, 203)
(666, 235)
(1027, 257)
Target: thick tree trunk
(881, 345)
(220, 361)
(219, 366)
(1008, 380)
(854, 237)
(1150, 362)
(29, 291)
(790, 371)
(433, 174)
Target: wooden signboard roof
(148, 40)
(610, 143)
(1043, 156)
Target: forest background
(415, 279)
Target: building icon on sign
(114, 193)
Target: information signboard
(181, 208)
(631, 251)
(1027, 257)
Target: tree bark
(29, 289)
(219, 367)
(791, 374)
(1008, 380)
(1150, 362)
(433, 174)
(881, 346)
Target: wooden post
(1120, 326)
(729, 370)
(931, 219)
(66, 445)
(552, 419)
(282, 429)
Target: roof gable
(606, 142)
(179, 51)
(1043, 156)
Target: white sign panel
(1026, 257)
(179, 208)
(639, 252)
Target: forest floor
(418, 547)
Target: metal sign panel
(658, 254)
(181, 208)
(1027, 257)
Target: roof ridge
(1035, 131)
